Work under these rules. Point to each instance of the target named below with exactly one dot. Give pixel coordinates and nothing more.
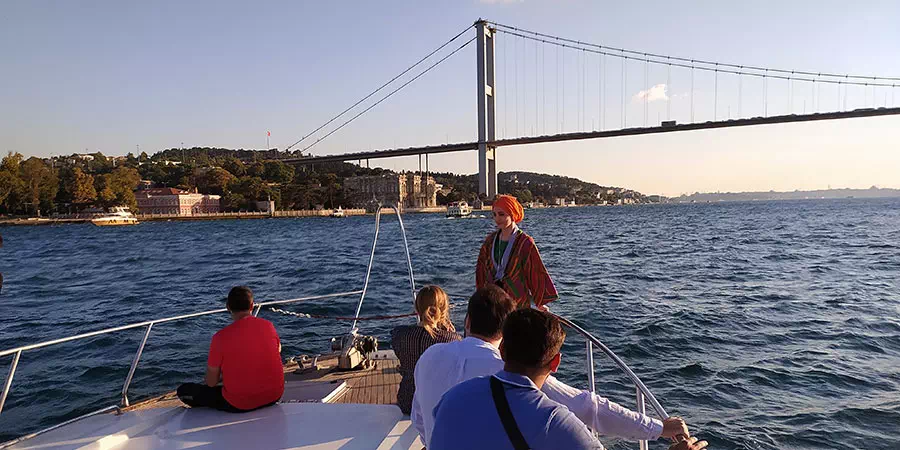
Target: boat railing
(643, 394)
(148, 326)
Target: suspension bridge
(543, 76)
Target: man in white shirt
(443, 366)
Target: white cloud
(658, 92)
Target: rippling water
(766, 325)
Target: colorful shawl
(526, 279)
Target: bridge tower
(487, 154)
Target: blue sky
(111, 76)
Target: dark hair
(531, 338)
(488, 308)
(240, 298)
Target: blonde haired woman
(410, 341)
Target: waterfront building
(409, 190)
(175, 201)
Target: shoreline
(68, 219)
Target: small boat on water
(339, 212)
(459, 209)
(118, 215)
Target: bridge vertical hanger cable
(563, 100)
(381, 87)
(543, 90)
(537, 91)
(815, 89)
(624, 86)
(584, 90)
(556, 96)
(647, 92)
(516, 82)
(766, 96)
(669, 92)
(524, 88)
(692, 93)
(716, 97)
(791, 96)
(600, 94)
(740, 96)
(505, 90)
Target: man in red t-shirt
(246, 357)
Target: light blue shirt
(466, 417)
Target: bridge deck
(467, 146)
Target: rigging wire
(407, 83)
(380, 88)
(691, 60)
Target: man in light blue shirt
(508, 410)
(444, 366)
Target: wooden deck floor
(377, 385)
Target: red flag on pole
(268, 133)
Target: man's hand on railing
(689, 444)
(674, 427)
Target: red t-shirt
(247, 353)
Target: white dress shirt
(443, 366)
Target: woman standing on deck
(410, 341)
(510, 259)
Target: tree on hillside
(214, 181)
(12, 189)
(234, 166)
(40, 183)
(278, 172)
(81, 188)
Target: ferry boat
(459, 209)
(343, 399)
(339, 212)
(118, 215)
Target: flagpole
(268, 133)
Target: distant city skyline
(110, 77)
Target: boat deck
(323, 408)
(377, 385)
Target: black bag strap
(506, 417)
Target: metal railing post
(137, 358)
(641, 408)
(9, 378)
(590, 365)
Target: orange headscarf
(512, 207)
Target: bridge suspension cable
(506, 28)
(700, 64)
(407, 83)
(408, 69)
